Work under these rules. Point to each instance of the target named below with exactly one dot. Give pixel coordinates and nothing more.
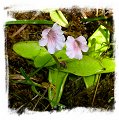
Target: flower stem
(56, 60)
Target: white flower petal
(70, 54)
(51, 48)
(72, 47)
(57, 29)
(82, 40)
(45, 32)
(84, 48)
(60, 38)
(79, 55)
(70, 39)
(60, 45)
(60, 42)
(56, 26)
(69, 42)
(43, 42)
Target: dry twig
(24, 26)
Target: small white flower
(53, 38)
(74, 47)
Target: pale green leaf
(56, 78)
(90, 80)
(58, 17)
(42, 59)
(61, 56)
(89, 66)
(108, 65)
(85, 67)
(27, 49)
(99, 41)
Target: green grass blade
(29, 22)
(38, 93)
(27, 78)
(94, 19)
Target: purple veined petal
(81, 40)
(84, 48)
(45, 33)
(53, 38)
(43, 42)
(51, 47)
(71, 47)
(74, 47)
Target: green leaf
(58, 17)
(61, 55)
(29, 22)
(85, 67)
(27, 49)
(89, 66)
(32, 50)
(42, 59)
(90, 80)
(56, 78)
(108, 65)
(99, 41)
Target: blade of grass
(94, 19)
(35, 91)
(27, 79)
(30, 22)
(24, 73)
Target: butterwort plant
(50, 49)
(54, 40)
(55, 48)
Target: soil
(75, 93)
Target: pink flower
(74, 47)
(53, 38)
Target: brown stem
(95, 90)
